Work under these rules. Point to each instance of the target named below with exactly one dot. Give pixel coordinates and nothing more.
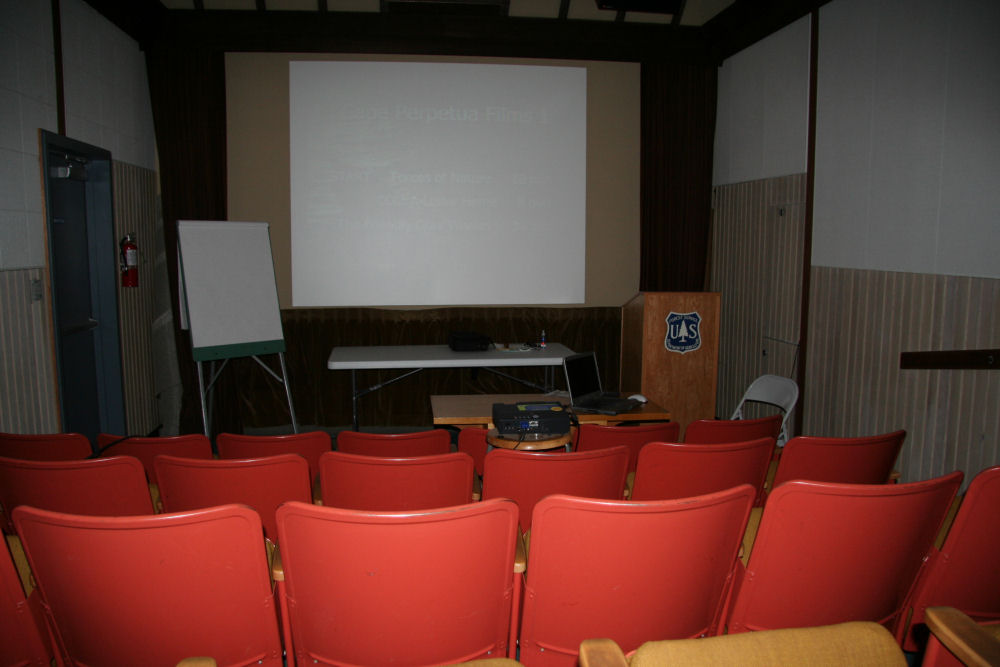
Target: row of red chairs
(664, 470)
(442, 586)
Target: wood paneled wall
(756, 263)
(860, 322)
(135, 212)
(28, 401)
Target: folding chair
(154, 589)
(472, 441)
(828, 553)
(527, 477)
(45, 447)
(863, 460)
(310, 446)
(410, 588)
(190, 446)
(114, 486)
(596, 436)
(965, 572)
(23, 638)
(680, 470)
(376, 483)
(630, 571)
(417, 443)
(774, 390)
(710, 431)
(263, 484)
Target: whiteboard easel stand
(205, 390)
(229, 300)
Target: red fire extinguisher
(129, 262)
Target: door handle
(89, 324)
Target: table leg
(354, 399)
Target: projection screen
(423, 184)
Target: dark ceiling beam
(137, 18)
(746, 22)
(442, 34)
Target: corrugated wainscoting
(860, 322)
(28, 401)
(135, 212)
(756, 263)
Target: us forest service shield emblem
(683, 332)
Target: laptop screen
(582, 377)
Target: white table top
(358, 357)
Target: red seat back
(679, 470)
(418, 443)
(356, 481)
(965, 572)
(191, 446)
(865, 460)
(113, 486)
(595, 436)
(527, 477)
(21, 623)
(310, 446)
(45, 447)
(263, 484)
(411, 588)
(472, 441)
(630, 571)
(827, 553)
(155, 589)
(707, 431)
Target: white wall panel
(907, 138)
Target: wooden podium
(670, 349)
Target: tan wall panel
(756, 264)
(860, 322)
(28, 398)
(135, 212)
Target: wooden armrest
(154, 495)
(317, 493)
(750, 534)
(520, 555)
(477, 488)
(277, 569)
(197, 662)
(969, 642)
(601, 653)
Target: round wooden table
(530, 442)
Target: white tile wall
(27, 102)
(107, 94)
(107, 105)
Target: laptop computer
(583, 381)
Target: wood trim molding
(988, 359)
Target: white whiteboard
(229, 299)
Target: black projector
(530, 421)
